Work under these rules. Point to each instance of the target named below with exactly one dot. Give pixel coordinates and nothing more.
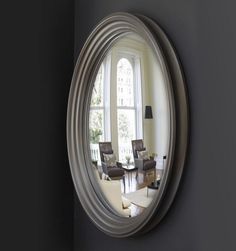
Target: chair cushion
(115, 172)
(106, 152)
(110, 159)
(149, 164)
(139, 150)
(143, 155)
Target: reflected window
(125, 84)
(97, 95)
(125, 110)
(96, 116)
(126, 106)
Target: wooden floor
(133, 183)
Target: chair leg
(144, 175)
(124, 183)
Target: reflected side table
(129, 169)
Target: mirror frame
(106, 33)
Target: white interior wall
(158, 127)
(147, 123)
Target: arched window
(126, 106)
(116, 118)
(125, 83)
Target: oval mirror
(127, 125)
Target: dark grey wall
(37, 60)
(203, 215)
(54, 188)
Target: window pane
(96, 126)
(126, 132)
(97, 95)
(125, 85)
(96, 133)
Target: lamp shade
(148, 112)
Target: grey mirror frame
(92, 54)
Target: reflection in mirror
(129, 126)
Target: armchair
(114, 172)
(144, 165)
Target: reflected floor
(133, 183)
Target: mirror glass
(129, 126)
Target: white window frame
(106, 99)
(134, 59)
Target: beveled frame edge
(76, 159)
